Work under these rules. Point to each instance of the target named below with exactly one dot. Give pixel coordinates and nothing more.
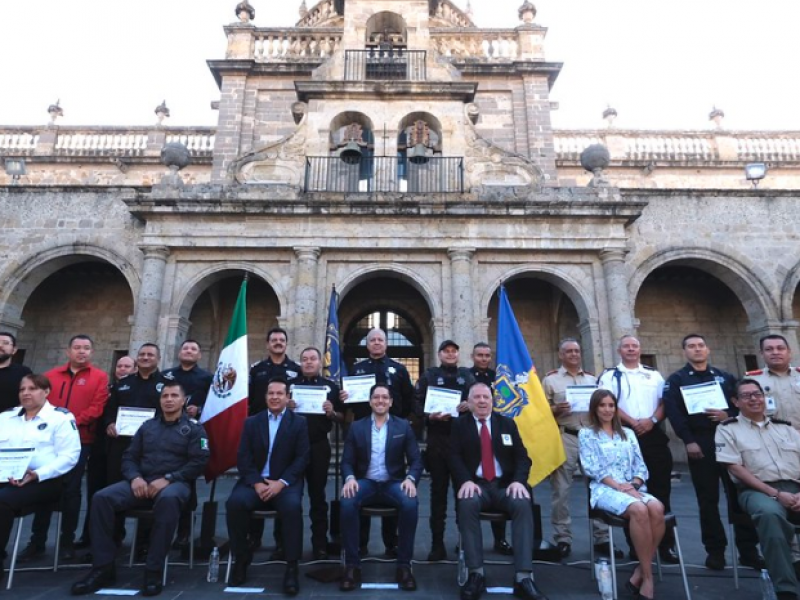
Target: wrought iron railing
(384, 63)
(369, 174)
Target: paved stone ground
(568, 581)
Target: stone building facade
(395, 150)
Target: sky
(661, 64)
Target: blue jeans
(379, 493)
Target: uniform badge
(185, 430)
(169, 376)
(42, 427)
(204, 444)
(81, 381)
(646, 375)
(291, 374)
(392, 370)
(506, 439)
(159, 387)
(719, 379)
(439, 381)
(327, 389)
(461, 381)
(123, 388)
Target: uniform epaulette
(781, 422)
(649, 368)
(551, 372)
(254, 364)
(729, 420)
(589, 373)
(607, 369)
(756, 372)
(61, 409)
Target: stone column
(148, 306)
(305, 298)
(619, 306)
(461, 294)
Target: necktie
(487, 455)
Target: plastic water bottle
(604, 583)
(767, 589)
(213, 566)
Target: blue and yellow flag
(519, 394)
(332, 361)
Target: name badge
(506, 439)
(771, 404)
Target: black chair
(256, 514)
(20, 518)
(492, 516)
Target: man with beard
(10, 373)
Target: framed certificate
(578, 397)
(14, 462)
(357, 388)
(129, 419)
(441, 400)
(309, 399)
(701, 396)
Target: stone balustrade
(18, 142)
(88, 143)
(279, 45)
(319, 14)
(501, 45)
(449, 13)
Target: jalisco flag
(519, 394)
(226, 405)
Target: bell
(351, 153)
(419, 155)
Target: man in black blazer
(273, 455)
(490, 467)
(381, 465)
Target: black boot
(152, 583)
(98, 577)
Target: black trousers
(439, 467)
(14, 499)
(658, 458)
(96, 475)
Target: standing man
(82, 389)
(10, 373)
(697, 432)
(762, 455)
(194, 379)
(273, 454)
(483, 373)
(381, 465)
(277, 364)
(450, 376)
(779, 379)
(490, 471)
(319, 426)
(639, 390)
(396, 377)
(165, 456)
(555, 385)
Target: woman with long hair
(611, 457)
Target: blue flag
(332, 361)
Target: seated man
(762, 455)
(490, 469)
(165, 456)
(381, 466)
(273, 455)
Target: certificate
(129, 419)
(441, 400)
(578, 397)
(309, 399)
(357, 388)
(701, 396)
(14, 462)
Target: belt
(571, 431)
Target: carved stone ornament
(245, 12)
(527, 12)
(280, 162)
(595, 159)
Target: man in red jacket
(81, 388)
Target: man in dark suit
(273, 455)
(381, 465)
(490, 467)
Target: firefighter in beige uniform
(779, 380)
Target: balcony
(384, 63)
(371, 174)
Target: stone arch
(788, 290)
(748, 287)
(34, 269)
(384, 23)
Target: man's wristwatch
(169, 477)
(654, 419)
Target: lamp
(15, 168)
(755, 172)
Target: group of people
(742, 440)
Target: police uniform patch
(185, 430)
(392, 370)
(74, 425)
(159, 387)
(204, 444)
(42, 427)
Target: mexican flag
(226, 405)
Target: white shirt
(52, 432)
(638, 390)
(498, 471)
(377, 460)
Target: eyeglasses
(752, 396)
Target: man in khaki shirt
(555, 384)
(779, 380)
(762, 455)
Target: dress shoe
(98, 577)
(351, 579)
(390, 552)
(82, 543)
(564, 549)
(715, 561)
(30, 552)
(239, 573)
(754, 561)
(668, 556)
(527, 589)
(278, 554)
(604, 549)
(438, 552)
(503, 547)
(474, 587)
(405, 579)
(152, 583)
(291, 582)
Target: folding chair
(147, 514)
(493, 516)
(256, 514)
(20, 518)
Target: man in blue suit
(273, 455)
(381, 465)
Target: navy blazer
(401, 450)
(465, 450)
(290, 452)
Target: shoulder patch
(589, 373)
(607, 369)
(61, 409)
(648, 368)
(756, 372)
(781, 422)
(729, 420)
(553, 372)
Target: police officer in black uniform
(195, 380)
(319, 426)
(277, 364)
(697, 432)
(396, 377)
(450, 376)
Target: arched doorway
(89, 296)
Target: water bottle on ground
(767, 589)
(213, 566)
(604, 583)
